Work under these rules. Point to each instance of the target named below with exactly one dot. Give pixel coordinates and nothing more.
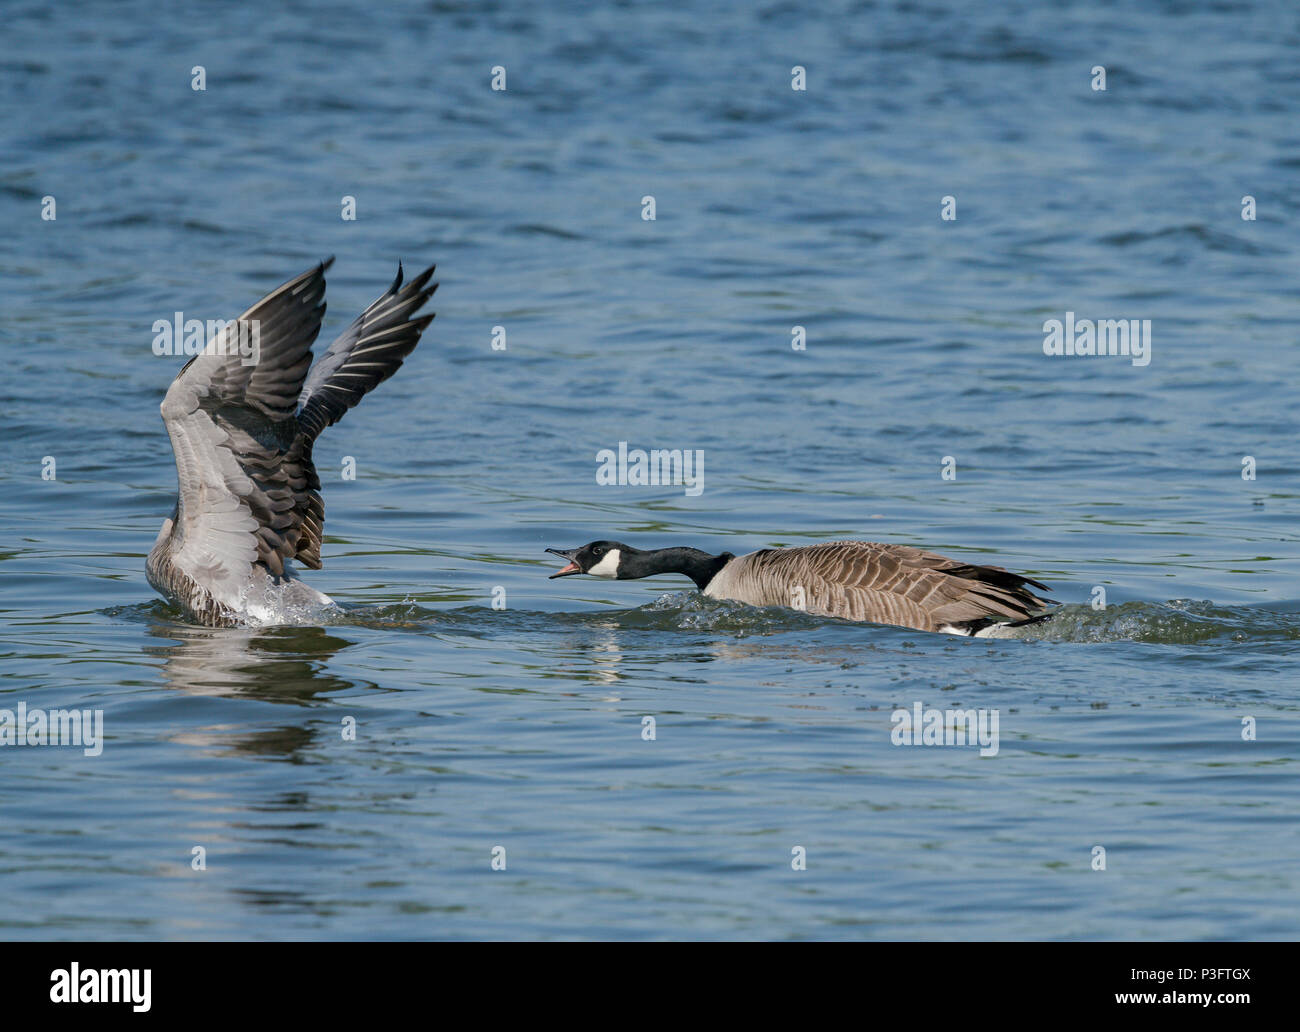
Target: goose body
(851, 580)
(248, 500)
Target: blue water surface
(517, 731)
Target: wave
(1176, 622)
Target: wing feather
(366, 354)
(882, 583)
(233, 431)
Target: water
(522, 728)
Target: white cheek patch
(608, 565)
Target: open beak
(569, 570)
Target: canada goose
(242, 422)
(853, 580)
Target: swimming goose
(242, 425)
(853, 580)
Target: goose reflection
(285, 665)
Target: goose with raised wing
(242, 421)
(852, 580)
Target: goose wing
(365, 355)
(232, 423)
(892, 584)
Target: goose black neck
(691, 562)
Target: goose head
(598, 559)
